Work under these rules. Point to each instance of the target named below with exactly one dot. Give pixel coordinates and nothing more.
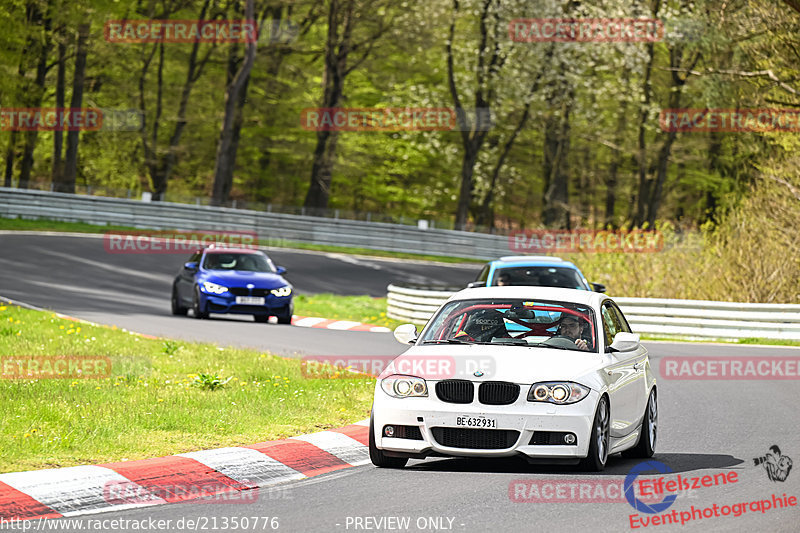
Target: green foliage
(209, 381)
(417, 174)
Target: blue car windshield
(540, 276)
(234, 261)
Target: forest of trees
(549, 134)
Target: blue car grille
(241, 291)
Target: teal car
(534, 270)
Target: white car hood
(516, 364)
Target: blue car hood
(240, 278)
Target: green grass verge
(359, 308)
(159, 399)
(16, 224)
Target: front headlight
(283, 291)
(213, 288)
(400, 386)
(558, 392)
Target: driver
(483, 325)
(573, 328)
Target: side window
(620, 319)
(609, 323)
(484, 275)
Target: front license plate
(476, 422)
(250, 300)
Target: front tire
(598, 444)
(376, 456)
(198, 312)
(646, 446)
(177, 308)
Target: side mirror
(473, 284)
(598, 287)
(280, 270)
(624, 342)
(191, 265)
(406, 333)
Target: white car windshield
(550, 324)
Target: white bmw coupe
(554, 375)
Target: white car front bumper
(522, 416)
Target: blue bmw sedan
(232, 280)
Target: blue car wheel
(199, 312)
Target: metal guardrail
(30, 204)
(700, 319)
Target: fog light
(569, 438)
(388, 431)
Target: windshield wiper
(448, 341)
(543, 345)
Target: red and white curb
(78, 490)
(345, 325)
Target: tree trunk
(333, 78)
(160, 166)
(555, 205)
(73, 136)
(58, 135)
(232, 122)
(556, 198)
(473, 134)
(10, 155)
(675, 93)
(616, 161)
(641, 154)
(36, 92)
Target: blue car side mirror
(191, 265)
(281, 270)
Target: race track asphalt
(706, 427)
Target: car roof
(530, 292)
(531, 260)
(214, 249)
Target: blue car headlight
(282, 291)
(213, 288)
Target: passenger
(484, 325)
